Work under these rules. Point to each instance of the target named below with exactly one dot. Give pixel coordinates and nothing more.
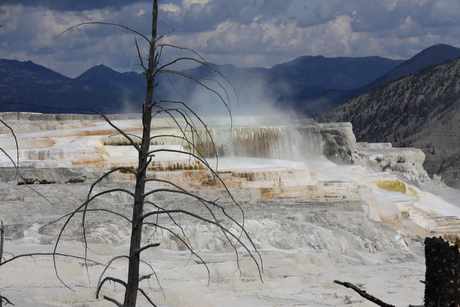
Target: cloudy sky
(252, 33)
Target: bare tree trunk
(442, 277)
(143, 161)
(2, 234)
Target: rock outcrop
(341, 147)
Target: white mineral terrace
(313, 220)
(252, 156)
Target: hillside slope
(422, 111)
(103, 77)
(433, 55)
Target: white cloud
(141, 13)
(170, 8)
(186, 4)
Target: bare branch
(118, 129)
(204, 202)
(149, 275)
(219, 225)
(189, 124)
(146, 296)
(186, 243)
(184, 114)
(119, 281)
(163, 35)
(192, 77)
(16, 165)
(2, 298)
(109, 211)
(200, 58)
(103, 23)
(110, 279)
(106, 266)
(139, 56)
(175, 223)
(71, 215)
(48, 254)
(148, 246)
(85, 210)
(113, 301)
(363, 293)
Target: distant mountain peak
(98, 71)
(101, 67)
(437, 54)
(36, 69)
(438, 47)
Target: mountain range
(30, 87)
(308, 85)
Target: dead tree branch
(4, 299)
(363, 293)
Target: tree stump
(442, 277)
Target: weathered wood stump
(442, 277)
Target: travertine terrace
(318, 205)
(258, 157)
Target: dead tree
(145, 213)
(141, 217)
